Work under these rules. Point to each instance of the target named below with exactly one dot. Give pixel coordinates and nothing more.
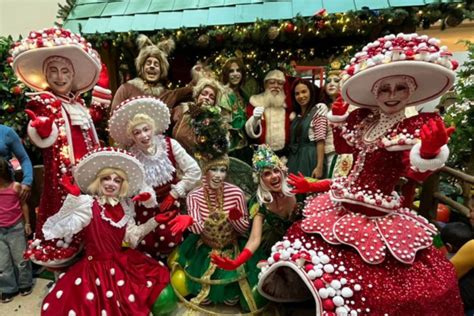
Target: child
(455, 235)
(13, 212)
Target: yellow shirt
(463, 260)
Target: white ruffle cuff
(422, 165)
(42, 142)
(337, 118)
(74, 215)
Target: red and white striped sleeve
(235, 195)
(318, 128)
(193, 209)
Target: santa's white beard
(276, 101)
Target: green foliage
(461, 115)
(13, 99)
(211, 140)
(268, 44)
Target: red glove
(339, 107)
(180, 223)
(167, 203)
(303, 186)
(43, 125)
(67, 183)
(434, 135)
(234, 214)
(164, 218)
(144, 196)
(229, 264)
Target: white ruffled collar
(158, 167)
(108, 200)
(123, 221)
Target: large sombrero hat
(153, 107)
(87, 169)
(30, 54)
(411, 55)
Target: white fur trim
(423, 165)
(337, 118)
(102, 90)
(100, 101)
(253, 127)
(42, 142)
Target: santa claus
(269, 114)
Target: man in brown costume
(152, 66)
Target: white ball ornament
(347, 292)
(323, 293)
(338, 300)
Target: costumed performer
(233, 103)
(109, 279)
(358, 250)
(60, 65)
(139, 124)
(206, 92)
(272, 210)
(152, 66)
(218, 223)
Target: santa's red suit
(274, 127)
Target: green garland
(267, 44)
(461, 115)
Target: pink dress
(358, 251)
(108, 280)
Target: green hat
(264, 157)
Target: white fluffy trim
(336, 118)
(423, 165)
(42, 142)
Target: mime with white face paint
(60, 123)
(145, 120)
(219, 217)
(360, 223)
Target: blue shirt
(10, 144)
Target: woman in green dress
(308, 131)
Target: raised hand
(167, 203)
(142, 197)
(43, 125)
(180, 223)
(339, 107)
(434, 135)
(229, 264)
(299, 182)
(258, 112)
(68, 184)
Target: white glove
(258, 112)
(321, 109)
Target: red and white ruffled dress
(108, 280)
(161, 173)
(357, 250)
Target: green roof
(145, 15)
